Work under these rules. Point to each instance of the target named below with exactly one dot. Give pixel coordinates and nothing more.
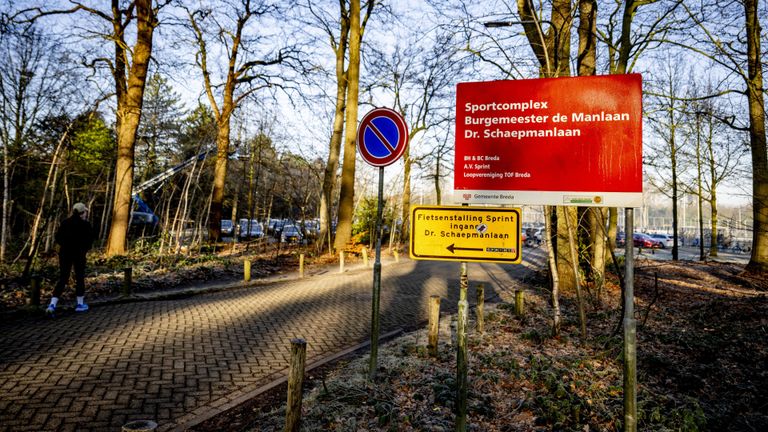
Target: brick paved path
(173, 361)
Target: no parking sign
(381, 140)
(382, 137)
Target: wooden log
(365, 257)
(246, 270)
(461, 353)
(519, 303)
(301, 265)
(127, 281)
(434, 324)
(34, 291)
(295, 385)
(341, 261)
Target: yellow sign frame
(475, 234)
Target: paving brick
(165, 360)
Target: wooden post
(434, 324)
(127, 281)
(301, 265)
(461, 353)
(479, 310)
(34, 291)
(365, 257)
(397, 256)
(519, 311)
(341, 261)
(295, 384)
(246, 270)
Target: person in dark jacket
(74, 237)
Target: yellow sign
(480, 234)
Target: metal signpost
(557, 141)
(381, 140)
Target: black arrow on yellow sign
(453, 248)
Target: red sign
(555, 141)
(382, 137)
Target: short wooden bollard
(34, 291)
(127, 281)
(301, 265)
(365, 257)
(341, 261)
(397, 256)
(479, 310)
(434, 324)
(295, 385)
(519, 311)
(462, 384)
(246, 270)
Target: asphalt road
(689, 253)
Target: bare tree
(34, 84)
(666, 121)
(227, 28)
(722, 25)
(719, 153)
(421, 79)
(347, 192)
(128, 68)
(339, 43)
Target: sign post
(554, 142)
(381, 140)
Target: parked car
(256, 230)
(290, 234)
(645, 241)
(311, 228)
(621, 240)
(227, 228)
(250, 230)
(665, 239)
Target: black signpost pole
(382, 137)
(376, 282)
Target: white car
(665, 239)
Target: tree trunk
(553, 271)
(599, 243)
(758, 262)
(552, 50)
(219, 173)
(347, 193)
(129, 103)
(713, 192)
(6, 207)
(565, 266)
(329, 177)
(673, 161)
(406, 201)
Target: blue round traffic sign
(382, 137)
